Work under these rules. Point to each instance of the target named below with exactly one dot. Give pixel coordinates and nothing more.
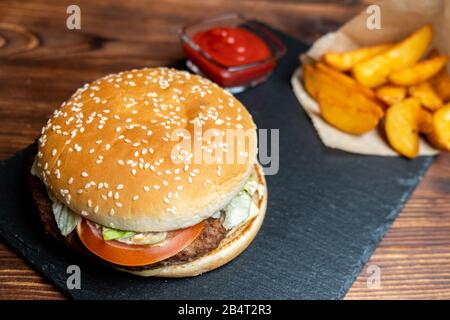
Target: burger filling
(153, 249)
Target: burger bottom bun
(230, 247)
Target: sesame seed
(90, 203)
(96, 209)
(146, 188)
(136, 197)
(84, 174)
(118, 204)
(70, 181)
(119, 186)
(156, 187)
(116, 195)
(84, 213)
(111, 212)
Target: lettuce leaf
(65, 218)
(251, 185)
(113, 234)
(237, 210)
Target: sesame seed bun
(230, 247)
(108, 152)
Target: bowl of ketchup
(233, 52)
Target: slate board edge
(11, 241)
(381, 232)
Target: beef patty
(209, 239)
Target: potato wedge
(310, 80)
(419, 72)
(345, 79)
(425, 121)
(425, 93)
(344, 61)
(402, 127)
(440, 135)
(349, 111)
(390, 94)
(341, 105)
(441, 81)
(374, 71)
(346, 115)
(441, 85)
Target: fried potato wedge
(441, 85)
(425, 121)
(347, 115)
(425, 93)
(349, 111)
(419, 72)
(402, 126)
(441, 81)
(311, 80)
(390, 94)
(344, 61)
(440, 134)
(375, 71)
(341, 104)
(345, 79)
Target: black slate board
(326, 213)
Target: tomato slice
(135, 255)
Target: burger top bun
(120, 151)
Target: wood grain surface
(42, 63)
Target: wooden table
(42, 63)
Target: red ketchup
(228, 49)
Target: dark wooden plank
(42, 63)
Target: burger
(152, 172)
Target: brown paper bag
(399, 18)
